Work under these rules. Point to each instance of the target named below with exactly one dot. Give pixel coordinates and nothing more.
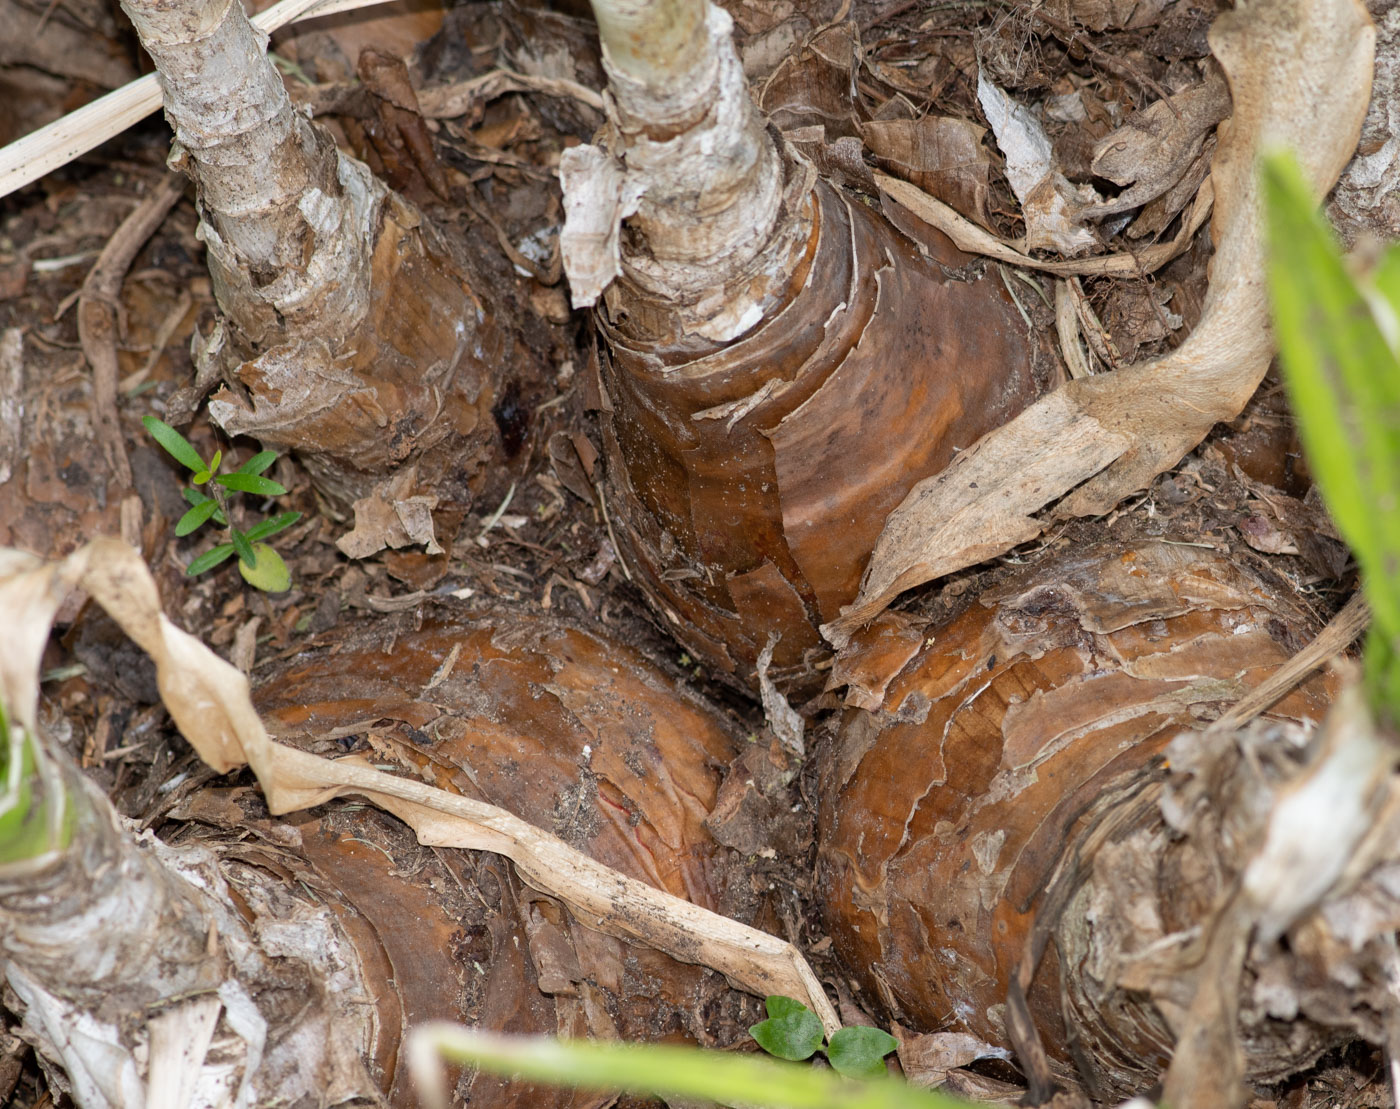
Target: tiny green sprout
(261, 566)
(793, 1032)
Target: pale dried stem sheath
(286, 218)
(703, 178)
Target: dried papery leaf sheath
(1300, 75)
(112, 931)
(358, 340)
(1005, 794)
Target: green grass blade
(666, 1071)
(196, 517)
(1344, 382)
(175, 444)
(251, 483)
(209, 559)
(1386, 278)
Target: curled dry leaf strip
(1300, 76)
(209, 701)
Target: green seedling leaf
(175, 444)
(1343, 379)
(258, 463)
(243, 547)
(859, 1052)
(196, 517)
(792, 1031)
(658, 1070)
(194, 496)
(779, 1006)
(209, 559)
(250, 483)
(270, 574)
(272, 526)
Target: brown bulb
(1002, 794)
(568, 729)
(749, 481)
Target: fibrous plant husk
(1029, 834)
(563, 726)
(568, 729)
(748, 481)
(765, 407)
(1299, 73)
(350, 333)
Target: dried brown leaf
(1300, 76)
(942, 155)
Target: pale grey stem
(287, 220)
(656, 43)
(702, 174)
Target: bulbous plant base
(748, 482)
(571, 731)
(1029, 787)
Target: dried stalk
(72, 136)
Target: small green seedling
(260, 565)
(793, 1032)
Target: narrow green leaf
(859, 1052)
(194, 496)
(175, 444)
(251, 483)
(209, 559)
(273, 525)
(214, 462)
(792, 1031)
(243, 547)
(196, 517)
(201, 476)
(674, 1073)
(270, 574)
(258, 463)
(1344, 382)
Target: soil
(535, 534)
